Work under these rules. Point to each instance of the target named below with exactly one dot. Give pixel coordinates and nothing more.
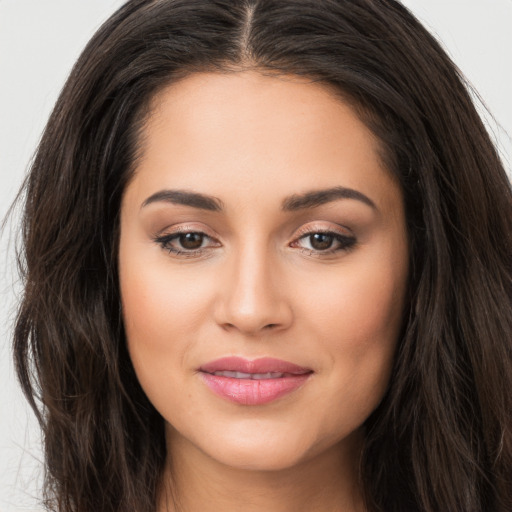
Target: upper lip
(262, 365)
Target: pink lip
(263, 365)
(253, 391)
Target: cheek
(159, 297)
(356, 318)
(162, 311)
(357, 310)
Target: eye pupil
(191, 240)
(321, 241)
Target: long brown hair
(442, 437)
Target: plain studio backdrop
(39, 42)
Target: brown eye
(324, 243)
(188, 244)
(321, 241)
(191, 241)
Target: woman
(267, 266)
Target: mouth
(253, 376)
(253, 382)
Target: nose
(253, 299)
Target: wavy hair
(442, 437)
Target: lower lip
(253, 391)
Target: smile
(254, 376)
(254, 382)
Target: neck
(327, 482)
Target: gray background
(39, 42)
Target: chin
(260, 446)
(245, 445)
(251, 457)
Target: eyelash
(345, 243)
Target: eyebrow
(319, 197)
(186, 198)
(295, 202)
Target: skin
(261, 287)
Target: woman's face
(263, 267)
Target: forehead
(250, 134)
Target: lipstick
(253, 382)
